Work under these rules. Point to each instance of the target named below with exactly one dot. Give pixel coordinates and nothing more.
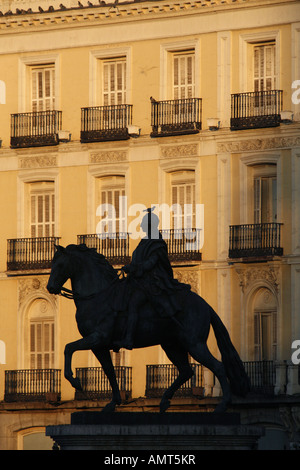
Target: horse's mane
(97, 257)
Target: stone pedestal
(153, 431)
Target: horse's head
(88, 270)
(60, 270)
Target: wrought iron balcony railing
(262, 375)
(255, 240)
(183, 244)
(102, 123)
(35, 129)
(32, 385)
(95, 384)
(175, 117)
(160, 376)
(30, 253)
(114, 246)
(256, 109)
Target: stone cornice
(87, 14)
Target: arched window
(40, 335)
(264, 314)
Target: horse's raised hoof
(164, 405)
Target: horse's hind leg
(179, 357)
(201, 354)
(104, 357)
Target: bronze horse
(101, 321)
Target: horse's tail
(234, 368)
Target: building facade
(109, 108)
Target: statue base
(90, 430)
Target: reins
(71, 295)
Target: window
(184, 75)
(263, 325)
(265, 193)
(265, 336)
(114, 82)
(183, 194)
(39, 335)
(265, 199)
(111, 190)
(42, 209)
(2, 92)
(43, 88)
(264, 67)
(42, 344)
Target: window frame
(246, 57)
(111, 184)
(26, 64)
(177, 89)
(96, 59)
(167, 52)
(37, 101)
(182, 180)
(248, 164)
(258, 338)
(36, 190)
(25, 315)
(34, 350)
(26, 177)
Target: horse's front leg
(86, 343)
(104, 357)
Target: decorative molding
(109, 156)
(34, 286)
(258, 144)
(179, 151)
(188, 277)
(37, 162)
(28, 14)
(269, 274)
(291, 420)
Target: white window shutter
(183, 76)
(111, 192)
(43, 88)
(42, 344)
(183, 193)
(264, 67)
(114, 82)
(42, 208)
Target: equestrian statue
(146, 306)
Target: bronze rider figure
(150, 277)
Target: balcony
(95, 383)
(183, 244)
(30, 253)
(159, 377)
(36, 129)
(104, 123)
(114, 246)
(255, 241)
(176, 117)
(262, 375)
(256, 110)
(32, 385)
